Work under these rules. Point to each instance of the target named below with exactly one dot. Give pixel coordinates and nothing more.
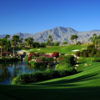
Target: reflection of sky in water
(8, 72)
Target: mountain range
(59, 34)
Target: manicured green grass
(81, 86)
(84, 85)
(61, 49)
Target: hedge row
(41, 76)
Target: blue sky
(31, 16)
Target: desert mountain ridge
(59, 34)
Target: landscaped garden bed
(63, 66)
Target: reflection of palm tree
(5, 73)
(15, 70)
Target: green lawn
(61, 49)
(84, 85)
(81, 86)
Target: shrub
(25, 59)
(7, 59)
(36, 45)
(55, 54)
(65, 42)
(77, 53)
(43, 45)
(90, 52)
(61, 66)
(70, 59)
(66, 63)
(97, 53)
(84, 53)
(90, 47)
(56, 44)
(38, 65)
(40, 76)
(96, 59)
(78, 43)
(46, 59)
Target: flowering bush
(33, 54)
(55, 54)
(66, 63)
(47, 56)
(59, 59)
(44, 59)
(29, 58)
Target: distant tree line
(8, 44)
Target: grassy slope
(61, 49)
(84, 85)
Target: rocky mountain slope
(60, 34)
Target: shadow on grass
(67, 82)
(27, 92)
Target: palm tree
(15, 40)
(50, 40)
(73, 37)
(95, 40)
(29, 41)
(7, 36)
(3, 44)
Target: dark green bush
(78, 43)
(56, 44)
(90, 52)
(96, 59)
(69, 59)
(36, 65)
(77, 53)
(46, 59)
(40, 76)
(66, 63)
(97, 53)
(90, 47)
(7, 60)
(84, 53)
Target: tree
(7, 36)
(65, 42)
(56, 44)
(5, 44)
(15, 40)
(73, 37)
(21, 43)
(29, 41)
(50, 40)
(94, 39)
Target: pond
(10, 71)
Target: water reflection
(10, 71)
